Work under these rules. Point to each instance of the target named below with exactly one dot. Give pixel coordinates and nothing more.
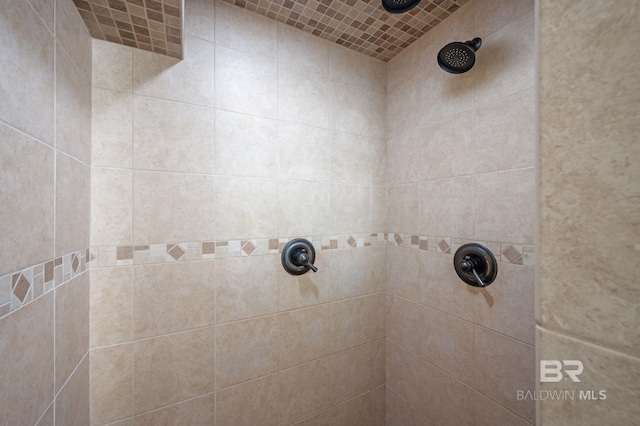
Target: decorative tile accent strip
(153, 25)
(360, 25)
(504, 252)
(105, 256)
(19, 288)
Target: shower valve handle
(301, 258)
(470, 264)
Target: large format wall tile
(189, 80)
(491, 15)
(604, 370)
(350, 209)
(111, 207)
(111, 384)
(304, 335)
(350, 160)
(185, 360)
(199, 19)
(348, 66)
(304, 208)
(246, 145)
(111, 128)
(507, 305)
(350, 323)
(26, 392)
(304, 391)
(46, 11)
(350, 273)
(112, 66)
(73, 190)
(172, 207)
(440, 287)
(73, 109)
(447, 342)
(403, 272)
(505, 133)
(30, 53)
(303, 51)
(246, 82)
(349, 108)
(501, 380)
(446, 207)
(350, 374)
(246, 208)
(403, 158)
(72, 403)
(72, 35)
(403, 209)
(511, 67)
(27, 227)
(488, 413)
(356, 411)
(71, 326)
(246, 350)
(589, 174)
(505, 206)
(452, 404)
(172, 297)
(303, 96)
(246, 287)
(402, 321)
(446, 148)
(111, 306)
(246, 32)
(171, 136)
(196, 411)
(250, 403)
(297, 291)
(304, 153)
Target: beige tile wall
(281, 135)
(45, 152)
(589, 208)
(461, 168)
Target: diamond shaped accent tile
(175, 251)
(248, 247)
(399, 239)
(21, 287)
(444, 246)
(351, 241)
(75, 263)
(513, 255)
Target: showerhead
(459, 57)
(399, 6)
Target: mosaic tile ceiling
(360, 25)
(154, 25)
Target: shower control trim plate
(298, 256)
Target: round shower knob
(298, 256)
(475, 265)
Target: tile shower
(143, 282)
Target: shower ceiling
(360, 25)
